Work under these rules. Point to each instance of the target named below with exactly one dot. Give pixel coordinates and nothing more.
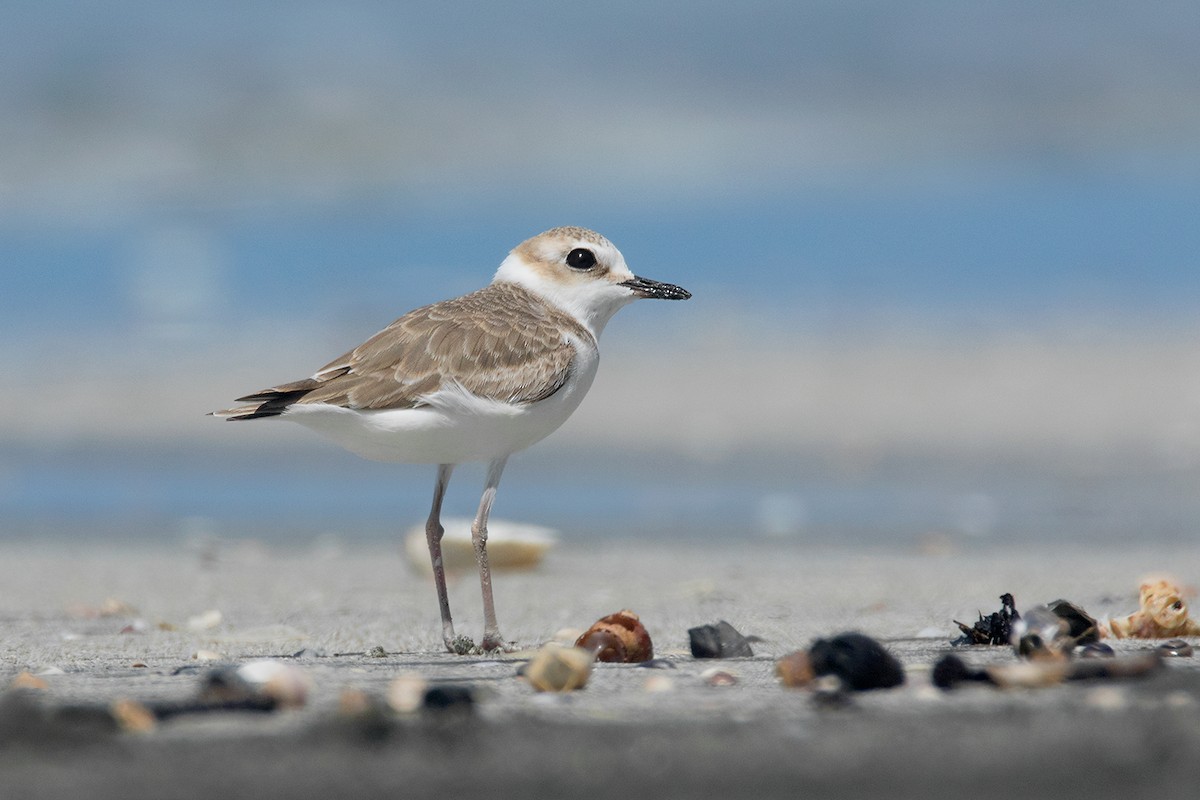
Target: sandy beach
(101, 621)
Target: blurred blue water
(178, 171)
(1005, 247)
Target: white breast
(456, 426)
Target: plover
(476, 378)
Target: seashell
(279, 684)
(288, 686)
(619, 638)
(559, 669)
(861, 662)
(718, 641)
(133, 717)
(658, 683)
(205, 621)
(795, 670)
(406, 692)
(717, 677)
(1081, 626)
(355, 703)
(1176, 648)
(27, 680)
(112, 607)
(510, 545)
(1107, 698)
(1163, 614)
(1041, 634)
(206, 655)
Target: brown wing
(501, 343)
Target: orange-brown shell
(619, 637)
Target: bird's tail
(268, 402)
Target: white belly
(455, 427)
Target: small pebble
(449, 698)
(659, 683)
(406, 692)
(377, 652)
(861, 662)
(27, 680)
(205, 621)
(354, 703)
(1175, 648)
(288, 686)
(559, 669)
(133, 717)
(795, 670)
(1107, 698)
(717, 677)
(718, 641)
(206, 655)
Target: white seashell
(406, 692)
(205, 621)
(287, 685)
(510, 545)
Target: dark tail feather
(269, 402)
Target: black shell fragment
(861, 662)
(995, 628)
(718, 641)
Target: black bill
(644, 287)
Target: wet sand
(323, 608)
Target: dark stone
(718, 641)
(1083, 628)
(951, 670)
(861, 662)
(1177, 648)
(449, 698)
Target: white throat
(591, 303)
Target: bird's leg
(433, 536)
(491, 631)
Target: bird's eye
(581, 259)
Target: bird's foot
(461, 645)
(494, 643)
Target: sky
(926, 240)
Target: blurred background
(944, 259)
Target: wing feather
(500, 343)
